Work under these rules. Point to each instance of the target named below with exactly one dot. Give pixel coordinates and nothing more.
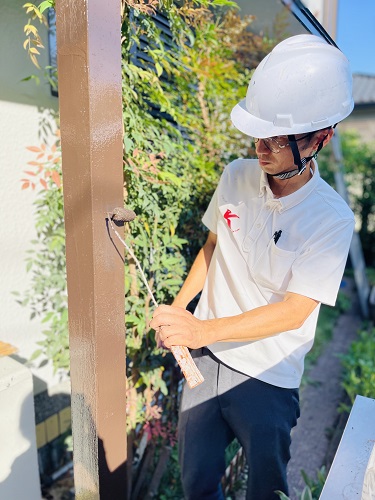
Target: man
(277, 247)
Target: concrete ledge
(346, 477)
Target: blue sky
(356, 34)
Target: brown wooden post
(89, 69)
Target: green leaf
(36, 354)
(159, 69)
(306, 494)
(45, 5)
(169, 176)
(31, 77)
(282, 495)
(128, 143)
(225, 3)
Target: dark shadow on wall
(22, 480)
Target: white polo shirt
(265, 248)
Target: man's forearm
(179, 327)
(262, 322)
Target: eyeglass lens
(271, 144)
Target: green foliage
(359, 160)
(359, 367)
(47, 297)
(359, 164)
(313, 487)
(170, 486)
(231, 451)
(33, 42)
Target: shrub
(359, 367)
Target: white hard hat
(303, 85)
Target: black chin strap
(285, 175)
(298, 161)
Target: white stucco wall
(22, 104)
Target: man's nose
(260, 147)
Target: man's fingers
(168, 315)
(169, 335)
(176, 326)
(159, 341)
(172, 310)
(158, 322)
(164, 332)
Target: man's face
(275, 154)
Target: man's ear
(323, 135)
(329, 136)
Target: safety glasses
(276, 144)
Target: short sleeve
(210, 217)
(318, 271)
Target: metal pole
(89, 68)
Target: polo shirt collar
(292, 199)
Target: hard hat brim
(249, 124)
(253, 126)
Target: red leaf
(36, 163)
(43, 183)
(56, 160)
(28, 172)
(40, 156)
(56, 178)
(33, 148)
(25, 185)
(43, 146)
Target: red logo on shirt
(228, 216)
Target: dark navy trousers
(226, 405)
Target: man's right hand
(177, 326)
